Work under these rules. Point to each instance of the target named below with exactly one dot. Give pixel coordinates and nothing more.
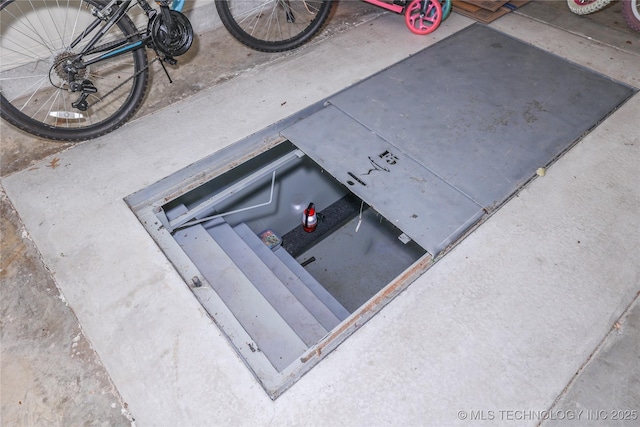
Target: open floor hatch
(397, 169)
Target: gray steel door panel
(482, 110)
(469, 119)
(422, 205)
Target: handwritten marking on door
(379, 163)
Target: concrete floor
(566, 341)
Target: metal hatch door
(423, 206)
(431, 143)
(452, 132)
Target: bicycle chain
(146, 67)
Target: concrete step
(272, 334)
(295, 314)
(326, 309)
(314, 286)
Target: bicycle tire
(35, 95)
(446, 8)
(273, 25)
(421, 24)
(584, 7)
(631, 13)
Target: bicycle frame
(396, 8)
(177, 5)
(75, 85)
(421, 17)
(43, 102)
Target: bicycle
(280, 25)
(630, 9)
(73, 70)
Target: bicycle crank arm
(171, 32)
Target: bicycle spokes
(69, 69)
(273, 25)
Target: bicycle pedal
(169, 60)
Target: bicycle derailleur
(68, 68)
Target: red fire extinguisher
(309, 219)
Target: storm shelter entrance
(293, 237)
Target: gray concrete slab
(120, 308)
(60, 380)
(606, 391)
(503, 322)
(50, 374)
(606, 26)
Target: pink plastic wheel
(583, 7)
(423, 23)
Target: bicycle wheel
(584, 7)
(36, 86)
(631, 12)
(273, 25)
(419, 23)
(446, 8)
